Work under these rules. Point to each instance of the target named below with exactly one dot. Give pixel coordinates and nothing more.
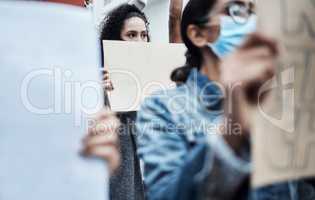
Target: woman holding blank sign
(128, 23)
(125, 23)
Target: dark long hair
(196, 12)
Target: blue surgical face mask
(232, 35)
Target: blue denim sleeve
(175, 170)
(169, 168)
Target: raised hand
(242, 74)
(102, 139)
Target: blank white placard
(49, 71)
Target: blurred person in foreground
(194, 139)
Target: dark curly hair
(113, 23)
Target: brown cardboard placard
(284, 130)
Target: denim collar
(208, 93)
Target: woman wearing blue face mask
(194, 139)
(234, 28)
(237, 21)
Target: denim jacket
(184, 156)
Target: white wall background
(157, 12)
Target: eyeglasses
(239, 11)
